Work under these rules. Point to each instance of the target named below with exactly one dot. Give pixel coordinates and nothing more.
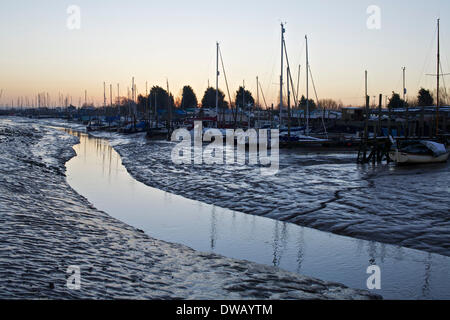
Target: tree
(424, 99)
(143, 104)
(247, 99)
(396, 102)
(159, 97)
(209, 99)
(189, 99)
(330, 104)
(302, 104)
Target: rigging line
(264, 99)
(208, 68)
(443, 80)
(315, 92)
(426, 58)
(298, 81)
(300, 58)
(225, 77)
(273, 59)
(290, 75)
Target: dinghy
(419, 152)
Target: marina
(204, 152)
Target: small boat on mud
(96, 125)
(419, 152)
(131, 127)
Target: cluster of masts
(44, 99)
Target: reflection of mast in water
(372, 252)
(300, 252)
(279, 243)
(110, 162)
(426, 278)
(213, 234)
(275, 245)
(103, 158)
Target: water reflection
(97, 173)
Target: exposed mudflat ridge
(45, 226)
(326, 191)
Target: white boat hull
(405, 158)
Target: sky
(174, 41)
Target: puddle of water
(97, 173)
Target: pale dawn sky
(175, 40)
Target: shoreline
(342, 199)
(49, 227)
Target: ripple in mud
(328, 192)
(45, 226)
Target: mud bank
(327, 191)
(46, 227)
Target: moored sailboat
(423, 151)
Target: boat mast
(307, 86)
(405, 105)
(257, 101)
(281, 74)
(288, 102)
(118, 101)
(438, 65)
(104, 94)
(217, 84)
(169, 106)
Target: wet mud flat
(45, 227)
(326, 191)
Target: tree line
(159, 98)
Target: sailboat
(422, 151)
(419, 151)
(298, 134)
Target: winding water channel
(97, 174)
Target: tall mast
(281, 74)
(104, 94)
(243, 104)
(118, 100)
(132, 89)
(257, 100)
(217, 84)
(288, 103)
(307, 86)
(405, 105)
(438, 65)
(298, 80)
(169, 106)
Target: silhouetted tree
(143, 104)
(330, 104)
(396, 102)
(189, 99)
(424, 99)
(159, 97)
(209, 99)
(247, 99)
(302, 104)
